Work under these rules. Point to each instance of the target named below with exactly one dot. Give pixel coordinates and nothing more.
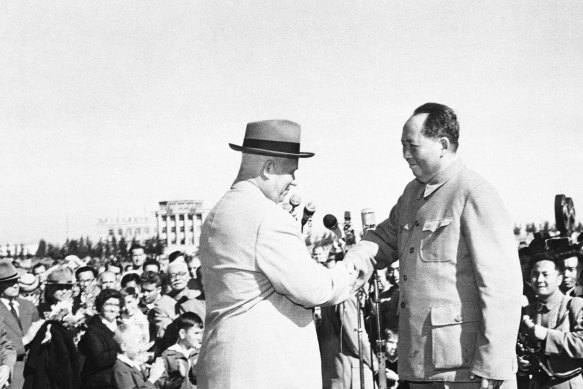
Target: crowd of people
(132, 322)
(429, 298)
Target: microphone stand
(368, 223)
(359, 329)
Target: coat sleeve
(487, 231)
(569, 344)
(96, 352)
(282, 256)
(7, 350)
(161, 318)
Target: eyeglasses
(177, 275)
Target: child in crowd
(392, 338)
(180, 358)
(128, 371)
(131, 314)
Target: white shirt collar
(7, 303)
(111, 325)
(125, 359)
(181, 349)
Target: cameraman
(552, 327)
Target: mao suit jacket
(460, 278)
(260, 285)
(27, 314)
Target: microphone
(309, 210)
(368, 219)
(294, 201)
(331, 223)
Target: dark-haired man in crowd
(138, 256)
(555, 321)
(459, 268)
(86, 279)
(571, 272)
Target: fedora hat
(278, 138)
(7, 270)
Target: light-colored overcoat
(260, 284)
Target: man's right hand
(4, 375)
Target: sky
(107, 107)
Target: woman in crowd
(97, 346)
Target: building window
(119, 232)
(138, 231)
(163, 230)
(190, 216)
(164, 218)
(173, 229)
(182, 229)
(181, 217)
(111, 232)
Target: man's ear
(182, 334)
(445, 145)
(123, 347)
(268, 169)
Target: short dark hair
(136, 246)
(174, 255)
(554, 257)
(129, 277)
(188, 320)
(150, 261)
(150, 277)
(37, 265)
(441, 121)
(129, 291)
(105, 295)
(84, 269)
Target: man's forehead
(413, 126)
(571, 261)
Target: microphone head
(310, 208)
(330, 222)
(368, 218)
(347, 215)
(295, 200)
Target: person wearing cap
(19, 316)
(29, 288)
(460, 289)
(260, 282)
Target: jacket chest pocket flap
(454, 334)
(437, 240)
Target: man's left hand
(486, 383)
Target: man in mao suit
(460, 280)
(260, 282)
(19, 315)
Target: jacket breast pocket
(454, 334)
(438, 240)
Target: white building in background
(179, 223)
(139, 228)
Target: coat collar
(440, 179)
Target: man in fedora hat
(19, 316)
(259, 280)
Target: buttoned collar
(441, 178)
(124, 358)
(551, 304)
